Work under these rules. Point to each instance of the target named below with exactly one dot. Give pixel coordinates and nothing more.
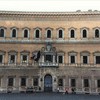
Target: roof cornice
(50, 13)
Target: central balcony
(48, 64)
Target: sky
(49, 5)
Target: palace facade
(65, 44)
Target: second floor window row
(49, 33)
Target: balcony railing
(47, 64)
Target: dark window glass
(37, 34)
(85, 59)
(72, 35)
(86, 83)
(10, 81)
(72, 59)
(1, 32)
(49, 58)
(84, 34)
(73, 82)
(14, 33)
(35, 81)
(24, 57)
(25, 33)
(1, 58)
(96, 33)
(60, 82)
(60, 59)
(97, 59)
(48, 33)
(60, 34)
(98, 83)
(12, 59)
(23, 81)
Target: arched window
(48, 33)
(26, 33)
(14, 33)
(72, 33)
(2, 32)
(97, 34)
(60, 33)
(84, 33)
(37, 33)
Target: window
(97, 59)
(72, 34)
(37, 34)
(86, 83)
(97, 34)
(98, 83)
(1, 58)
(48, 33)
(26, 33)
(72, 59)
(23, 81)
(84, 33)
(85, 59)
(14, 33)
(24, 58)
(60, 34)
(60, 82)
(60, 59)
(1, 32)
(49, 58)
(73, 83)
(35, 81)
(12, 59)
(10, 81)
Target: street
(48, 96)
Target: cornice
(50, 13)
(44, 16)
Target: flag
(36, 55)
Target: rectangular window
(73, 83)
(10, 81)
(86, 82)
(49, 58)
(1, 58)
(60, 82)
(97, 59)
(98, 83)
(85, 59)
(12, 59)
(35, 81)
(23, 81)
(24, 59)
(60, 59)
(72, 59)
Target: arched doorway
(48, 83)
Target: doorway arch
(48, 83)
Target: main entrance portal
(48, 83)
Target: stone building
(50, 50)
